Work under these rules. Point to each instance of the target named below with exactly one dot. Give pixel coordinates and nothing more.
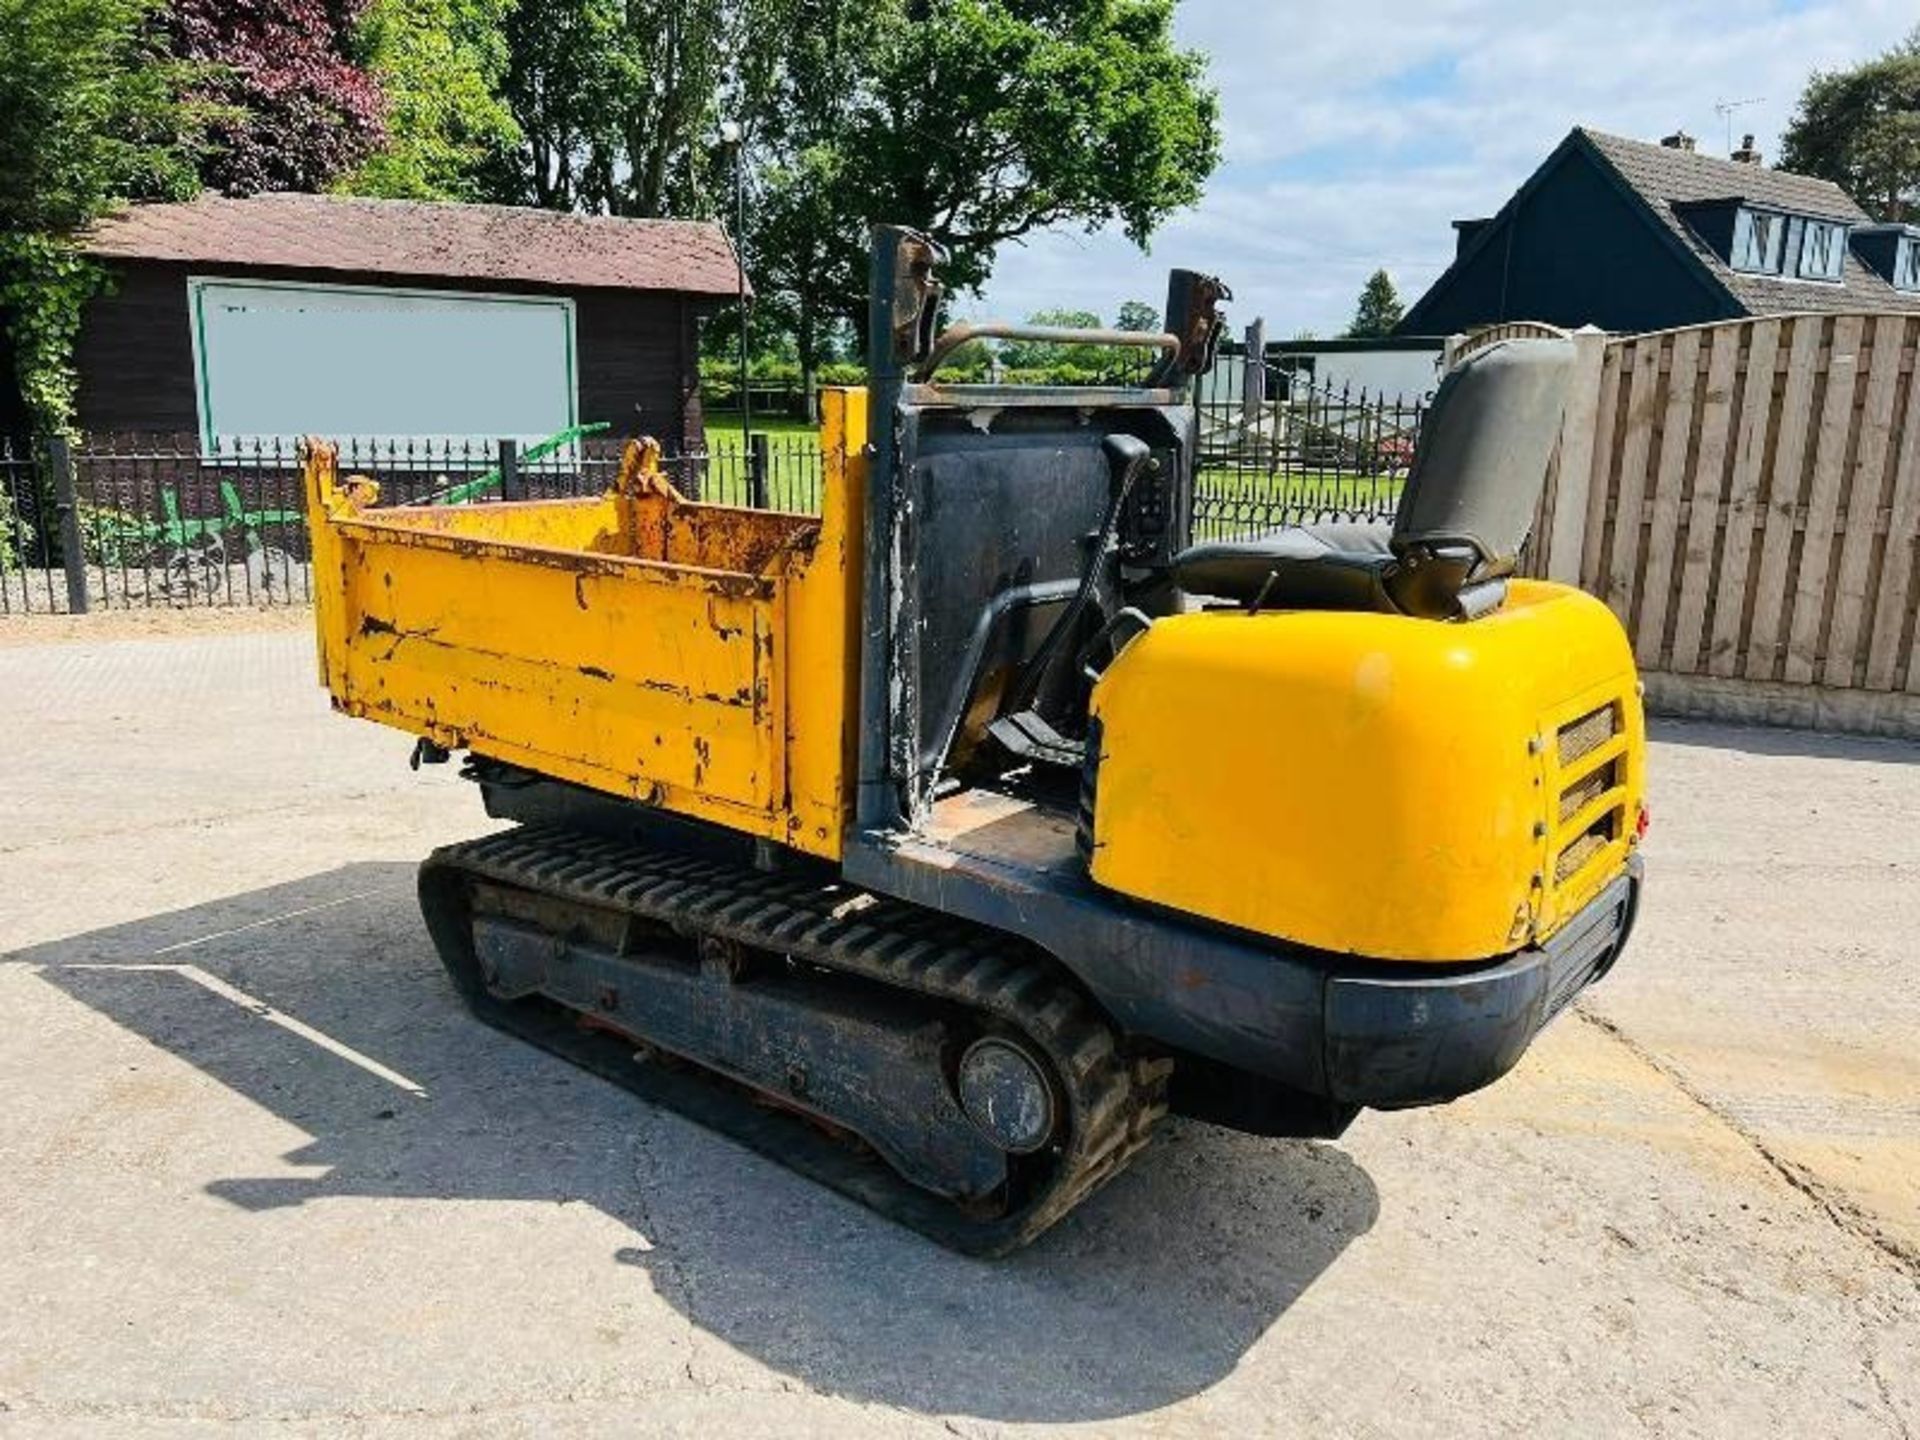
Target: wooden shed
(284, 314)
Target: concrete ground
(259, 1173)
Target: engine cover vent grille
(1583, 736)
(1590, 843)
(1583, 792)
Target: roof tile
(426, 238)
(1664, 178)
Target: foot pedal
(1030, 737)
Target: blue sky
(1356, 131)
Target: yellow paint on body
(1371, 784)
(1363, 783)
(697, 657)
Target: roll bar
(952, 338)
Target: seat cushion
(1338, 565)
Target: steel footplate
(534, 919)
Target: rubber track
(1112, 1099)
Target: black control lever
(1128, 457)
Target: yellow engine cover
(1371, 784)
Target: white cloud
(1355, 133)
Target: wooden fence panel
(1535, 559)
(1772, 588)
(1860, 516)
(1832, 443)
(1704, 536)
(1628, 519)
(1899, 591)
(1609, 418)
(1668, 490)
(1753, 499)
(1745, 496)
(1744, 488)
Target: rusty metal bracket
(1193, 315)
(338, 498)
(916, 297)
(640, 473)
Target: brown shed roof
(426, 238)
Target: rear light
(1641, 824)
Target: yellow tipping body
(1366, 784)
(698, 657)
(1371, 784)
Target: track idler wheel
(1009, 1094)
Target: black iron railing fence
(128, 520)
(31, 577)
(1275, 449)
(139, 520)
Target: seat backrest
(1483, 454)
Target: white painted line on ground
(266, 1012)
(276, 919)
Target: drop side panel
(691, 656)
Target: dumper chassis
(938, 845)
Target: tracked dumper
(940, 843)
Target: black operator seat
(1464, 513)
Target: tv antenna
(1725, 108)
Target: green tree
(1139, 316)
(1860, 128)
(805, 251)
(618, 101)
(566, 75)
(979, 122)
(1379, 309)
(1052, 355)
(800, 252)
(91, 112)
(440, 63)
(667, 135)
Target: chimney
(1678, 140)
(1746, 154)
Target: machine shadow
(322, 1001)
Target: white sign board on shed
(276, 360)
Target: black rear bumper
(1363, 1033)
(1394, 1040)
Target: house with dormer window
(1632, 236)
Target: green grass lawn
(723, 430)
(794, 461)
